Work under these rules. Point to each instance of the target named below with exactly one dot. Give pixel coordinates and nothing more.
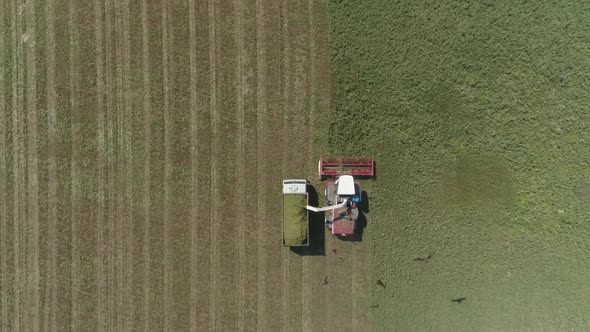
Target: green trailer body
(295, 215)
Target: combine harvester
(343, 194)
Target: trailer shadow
(317, 229)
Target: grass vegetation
(478, 115)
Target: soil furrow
(240, 183)
(51, 298)
(201, 224)
(261, 110)
(167, 313)
(4, 280)
(101, 166)
(270, 291)
(136, 146)
(75, 130)
(19, 218)
(121, 181)
(147, 125)
(180, 165)
(156, 168)
(110, 319)
(247, 159)
(194, 165)
(319, 107)
(32, 243)
(295, 84)
(85, 154)
(63, 147)
(360, 285)
(288, 303)
(211, 10)
(127, 165)
(249, 149)
(225, 216)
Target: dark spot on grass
(479, 178)
(583, 193)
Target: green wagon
(295, 215)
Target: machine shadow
(317, 229)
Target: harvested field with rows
(142, 148)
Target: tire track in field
(247, 163)
(147, 125)
(270, 290)
(261, 174)
(84, 154)
(240, 163)
(18, 151)
(180, 164)
(3, 182)
(74, 83)
(127, 163)
(101, 165)
(167, 172)
(360, 285)
(225, 215)
(63, 146)
(32, 243)
(110, 255)
(285, 140)
(194, 166)
(120, 181)
(308, 264)
(211, 9)
(136, 163)
(200, 87)
(157, 165)
(319, 105)
(51, 289)
(295, 132)
(248, 149)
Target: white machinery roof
(294, 186)
(345, 185)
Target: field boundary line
(50, 306)
(111, 161)
(284, 49)
(167, 174)
(194, 164)
(241, 268)
(18, 200)
(306, 291)
(213, 188)
(74, 171)
(120, 218)
(100, 248)
(3, 182)
(261, 192)
(147, 125)
(33, 162)
(127, 171)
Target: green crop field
(478, 116)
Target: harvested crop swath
(295, 232)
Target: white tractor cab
(342, 198)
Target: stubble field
(142, 146)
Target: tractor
(343, 193)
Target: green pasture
(478, 114)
